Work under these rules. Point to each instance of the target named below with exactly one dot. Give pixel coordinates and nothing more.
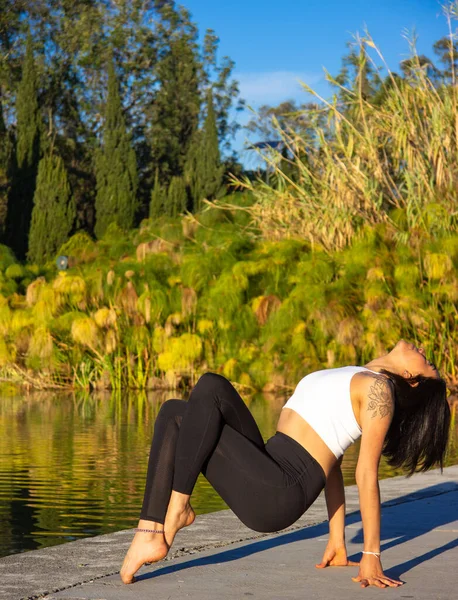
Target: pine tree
(116, 168)
(28, 135)
(6, 154)
(176, 197)
(204, 172)
(54, 210)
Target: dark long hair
(418, 435)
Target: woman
(397, 403)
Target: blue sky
(275, 43)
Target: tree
(204, 169)
(447, 53)
(162, 73)
(412, 66)
(29, 144)
(116, 168)
(357, 75)
(176, 106)
(54, 210)
(6, 156)
(158, 199)
(225, 89)
(176, 197)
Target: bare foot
(145, 548)
(175, 522)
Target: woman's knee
(212, 382)
(172, 409)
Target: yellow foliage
(94, 286)
(41, 344)
(20, 320)
(111, 276)
(347, 353)
(5, 316)
(5, 357)
(330, 357)
(140, 337)
(375, 294)
(204, 325)
(350, 331)
(407, 275)
(223, 324)
(437, 265)
(256, 302)
(128, 299)
(147, 309)
(110, 341)
(173, 280)
(375, 274)
(299, 328)
(105, 317)
(247, 352)
(72, 287)
(263, 306)
(188, 301)
(172, 320)
(448, 291)
(245, 380)
(47, 304)
(84, 331)
(180, 353)
(230, 369)
(298, 338)
(34, 289)
(159, 339)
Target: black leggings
(268, 486)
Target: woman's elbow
(366, 477)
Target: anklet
(149, 530)
(374, 553)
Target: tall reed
(362, 162)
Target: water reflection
(74, 465)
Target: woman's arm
(335, 554)
(377, 408)
(335, 501)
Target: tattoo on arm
(380, 399)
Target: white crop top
(322, 398)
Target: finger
(321, 565)
(377, 583)
(357, 578)
(392, 582)
(351, 563)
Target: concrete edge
(59, 568)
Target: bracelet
(374, 553)
(149, 530)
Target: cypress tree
(176, 106)
(54, 210)
(6, 154)
(116, 167)
(176, 197)
(204, 169)
(28, 136)
(158, 199)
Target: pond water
(74, 466)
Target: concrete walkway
(219, 558)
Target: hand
(371, 573)
(335, 555)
